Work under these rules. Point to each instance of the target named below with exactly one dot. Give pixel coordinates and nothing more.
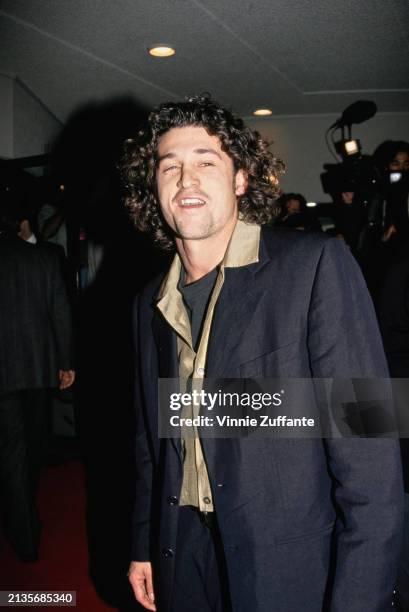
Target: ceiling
(293, 56)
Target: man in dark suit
(35, 356)
(267, 525)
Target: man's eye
(170, 168)
(207, 163)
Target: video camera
(356, 172)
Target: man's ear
(240, 182)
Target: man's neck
(199, 257)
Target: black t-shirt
(196, 297)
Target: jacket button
(167, 553)
(220, 485)
(172, 500)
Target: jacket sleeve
(344, 342)
(140, 549)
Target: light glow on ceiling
(161, 51)
(262, 112)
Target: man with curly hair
(242, 524)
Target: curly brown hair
(244, 146)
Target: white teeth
(191, 201)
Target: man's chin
(187, 236)
(193, 232)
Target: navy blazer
(306, 524)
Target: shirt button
(200, 371)
(207, 500)
(167, 553)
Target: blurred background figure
(392, 161)
(35, 356)
(52, 225)
(386, 234)
(290, 204)
(295, 213)
(349, 216)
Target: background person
(35, 355)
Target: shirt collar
(243, 247)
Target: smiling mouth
(191, 202)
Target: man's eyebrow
(172, 155)
(205, 151)
(166, 156)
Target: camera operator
(392, 161)
(370, 194)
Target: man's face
(197, 184)
(347, 197)
(400, 162)
(293, 207)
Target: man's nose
(188, 177)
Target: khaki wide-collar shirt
(243, 249)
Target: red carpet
(63, 564)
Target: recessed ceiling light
(262, 112)
(162, 51)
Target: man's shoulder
(19, 248)
(288, 243)
(27, 260)
(286, 235)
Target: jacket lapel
(235, 310)
(165, 339)
(166, 344)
